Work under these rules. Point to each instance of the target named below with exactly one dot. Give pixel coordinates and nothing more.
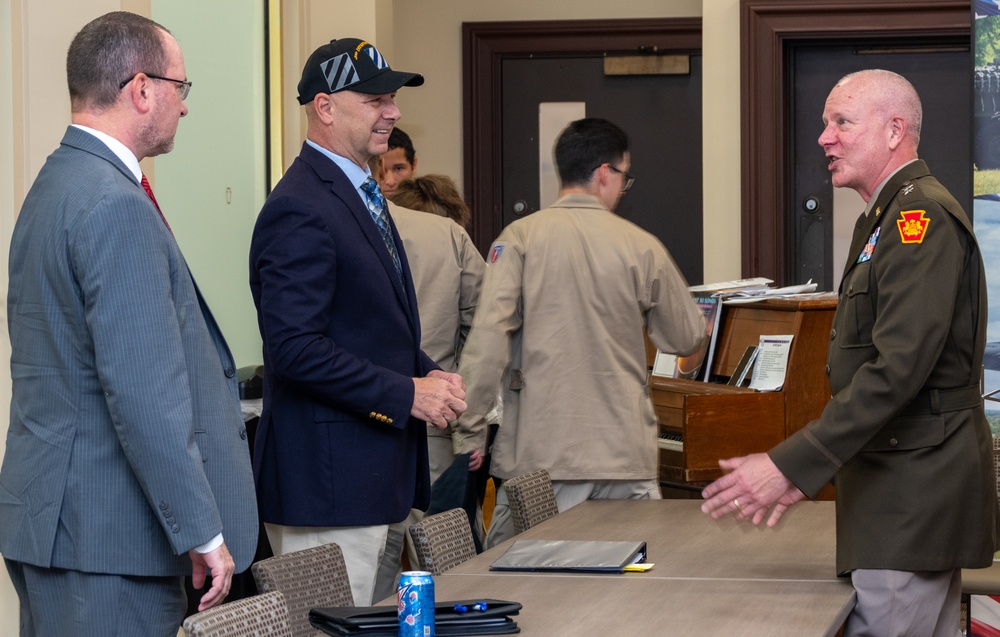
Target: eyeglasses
(183, 87)
(627, 178)
(628, 181)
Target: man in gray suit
(127, 464)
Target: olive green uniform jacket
(904, 436)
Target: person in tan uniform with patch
(566, 295)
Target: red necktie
(149, 191)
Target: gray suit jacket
(126, 445)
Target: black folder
(382, 621)
(571, 555)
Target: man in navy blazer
(127, 464)
(341, 448)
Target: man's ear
(140, 93)
(323, 107)
(602, 175)
(897, 131)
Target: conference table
(709, 577)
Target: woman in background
(436, 194)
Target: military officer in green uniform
(904, 437)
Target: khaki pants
(362, 547)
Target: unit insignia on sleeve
(913, 226)
(495, 252)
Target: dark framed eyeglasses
(629, 179)
(183, 87)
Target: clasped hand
(438, 398)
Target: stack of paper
(744, 285)
(749, 296)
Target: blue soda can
(415, 600)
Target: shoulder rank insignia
(495, 253)
(913, 226)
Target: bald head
(890, 94)
(871, 127)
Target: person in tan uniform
(447, 274)
(567, 293)
(904, 436)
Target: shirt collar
(119, 149)
(356, 174)
(878, 191)
(579, 200)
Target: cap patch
(376, 57)
(339, 72)
(913, 226)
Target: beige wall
(423, 36)
(721, 139)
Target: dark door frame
(767, 28)
(485, 45)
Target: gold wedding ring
(736, 503)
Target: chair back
(311, 578)
(443, 540)
(258, 615)
(531, 499)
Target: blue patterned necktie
(376, 207)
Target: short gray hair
(108, 51)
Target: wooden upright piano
(703, 422)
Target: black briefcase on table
(383, 621)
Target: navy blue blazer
(336, 445)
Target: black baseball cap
(349, 64)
